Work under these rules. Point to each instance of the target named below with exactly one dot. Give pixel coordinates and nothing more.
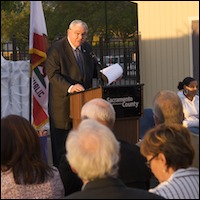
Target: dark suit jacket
(132, 170)
(71, 181)
(63, 71)
(111, 188)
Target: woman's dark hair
(186, 81)
(21, 151)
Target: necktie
(79, 60)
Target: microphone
(94, 57)
(98, 68)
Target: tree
(120, 17)
(15, 20)
(15, 6)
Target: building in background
(168, 44)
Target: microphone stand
(98, 68)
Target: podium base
(127, 129)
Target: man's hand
(77, 88)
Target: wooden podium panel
(77, 100)
(127, 129)
(127, 102)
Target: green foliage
(15, 21)
(117, 19)
(15, 6)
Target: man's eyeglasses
(84, 35)
(148, 163)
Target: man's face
(77, 35)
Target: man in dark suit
(93, 153)
(67, 73)
(132, 168)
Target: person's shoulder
(128, 145)
(57, 47)
(75, 195)
(140, 193)
(180, 93)
(58, 43)
(86, 47)
(197, 97)
(61, 40)
(7, 175)
(56, 172)
(87, 44)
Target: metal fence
(125, 53)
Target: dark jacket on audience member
(111, 188)
(72, 183)
(132, 170)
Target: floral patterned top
(51, 189)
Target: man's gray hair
(80, 23)
(92, 150)
(167, 107)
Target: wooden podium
(128, 104)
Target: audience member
(132, 169)
(169, 152)
(188, 90)
(93, 153)
(24, 172)
(168, 108)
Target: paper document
(111, 73)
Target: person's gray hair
(92, 150)
(101, 110)
(167, 107)
(80, 23)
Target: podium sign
(127, 100)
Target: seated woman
(24, 172)
(169, 152)
(188, 90)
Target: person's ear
(163, 162)
(73, 169)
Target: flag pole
(30, 93)
(38, 80)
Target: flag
(37, 50)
